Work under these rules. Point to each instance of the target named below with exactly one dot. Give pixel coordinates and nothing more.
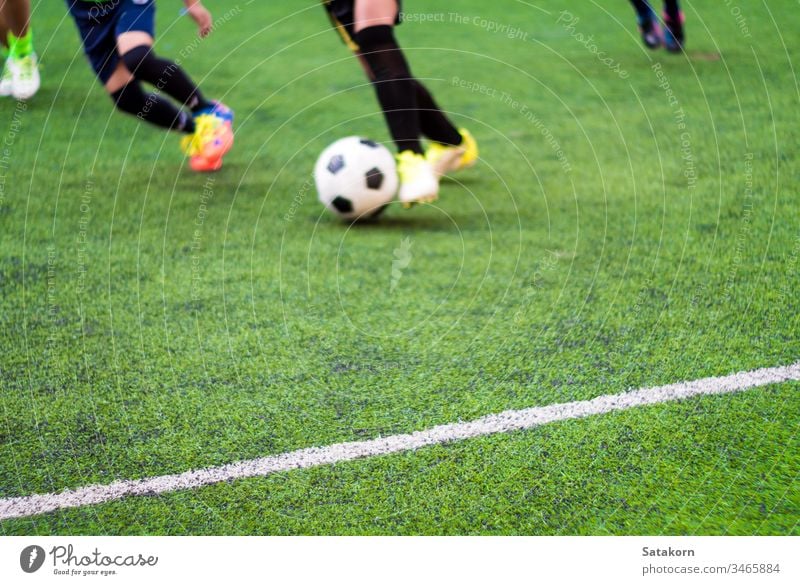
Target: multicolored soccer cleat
(219, 110)
(418, 180)
(212, 138)
(445, 158)
(673, 32)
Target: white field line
(510, 420)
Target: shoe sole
(212, 168)
(419, 201)
(23, 96)
(29, 93)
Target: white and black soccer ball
(356, 178)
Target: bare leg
(119, 79)
(23, 81)
(374, 13)
(17, 16)
(3, 32)
(132, 39)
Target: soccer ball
(356, 178)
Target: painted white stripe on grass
(510, 420)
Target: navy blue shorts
(100, 23)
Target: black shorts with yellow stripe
(342, 15)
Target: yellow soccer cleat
(418, 181)
(446, 158)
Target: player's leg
(408, 106)
(433, 122)
(451, 149)
(22, 61)
(136, 52)
(210, 126)
(96, 25)
(673, 25)
(648, 23)
(128, 96)
(212, 121)
(373, 25)
(386, 64)
(391, 78)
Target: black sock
(643, 9)
(394, 85)
(167, 76)
(433, 122)
(150, 108)
(672, 9)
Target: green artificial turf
(632, 222)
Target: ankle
(20, 47)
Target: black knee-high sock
(394, 85)
(167, 76)
(672, 9)
(643, 9)
(150, 108)
(433, 122)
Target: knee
(143, 62)
(136, 57)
